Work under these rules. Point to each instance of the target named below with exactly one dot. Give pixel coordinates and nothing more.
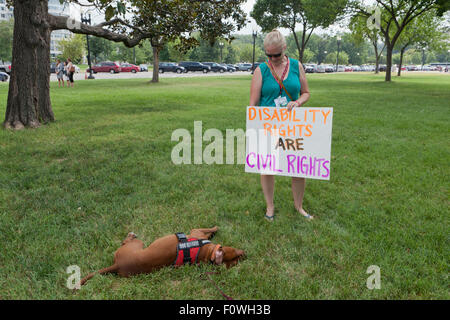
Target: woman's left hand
(292, 104)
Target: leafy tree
(100, 48)
(170, 20)
(361, 31)
(73, 48)
(309, 14)
(6, 40)
(246, 53)
(331, 58)
(318, 45)
(422, 32)
(174, 53)
(397, 14)
(29, 102)
(231, 55)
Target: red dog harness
(188, 249)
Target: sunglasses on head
(274, 55)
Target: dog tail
(110, 269)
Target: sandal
(309, 217)
(269, 218)
(306, 216)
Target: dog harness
(188, 249)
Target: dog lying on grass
(172, 250)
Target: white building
(55, 8)
(5, 12)
(58, 9)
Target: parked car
(412, 68)
(215, 67)
(257, 64)
(319, 69)
(382, 68)
(53, 67)
(170, 67)
(431, 68)
(348, 69)
(230, 67)
(309, 68)
(107, 66)
(244, 66)
(3, 76)
(6, 68)
(143, 67)
(356, 68)
(341, 69)
(329, 68)
(367, 68)
(194, 66)
(127, 67)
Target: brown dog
(131, 258)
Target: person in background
(70, 72)
(60, 72)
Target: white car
(319, 69)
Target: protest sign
(296, 143)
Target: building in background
(5, 12)
(55, 8)
(58, 9)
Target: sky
(251, 25)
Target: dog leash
(208, 274)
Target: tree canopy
(309, 14)
(397, 14)
(29, 102)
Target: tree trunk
(155, 64)
(297, 44)
(377, 58)
(389, 50)
(401, 62)
(29, 94)
(423, 58)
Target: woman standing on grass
(267, 90)
(60, 72)
(70, 72)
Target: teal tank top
(270, 89)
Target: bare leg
(298, 191)
(268, 186)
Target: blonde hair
(274, 38)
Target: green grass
(71, 191)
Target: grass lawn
(72, 190)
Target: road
(129, 75)
(148, 75)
